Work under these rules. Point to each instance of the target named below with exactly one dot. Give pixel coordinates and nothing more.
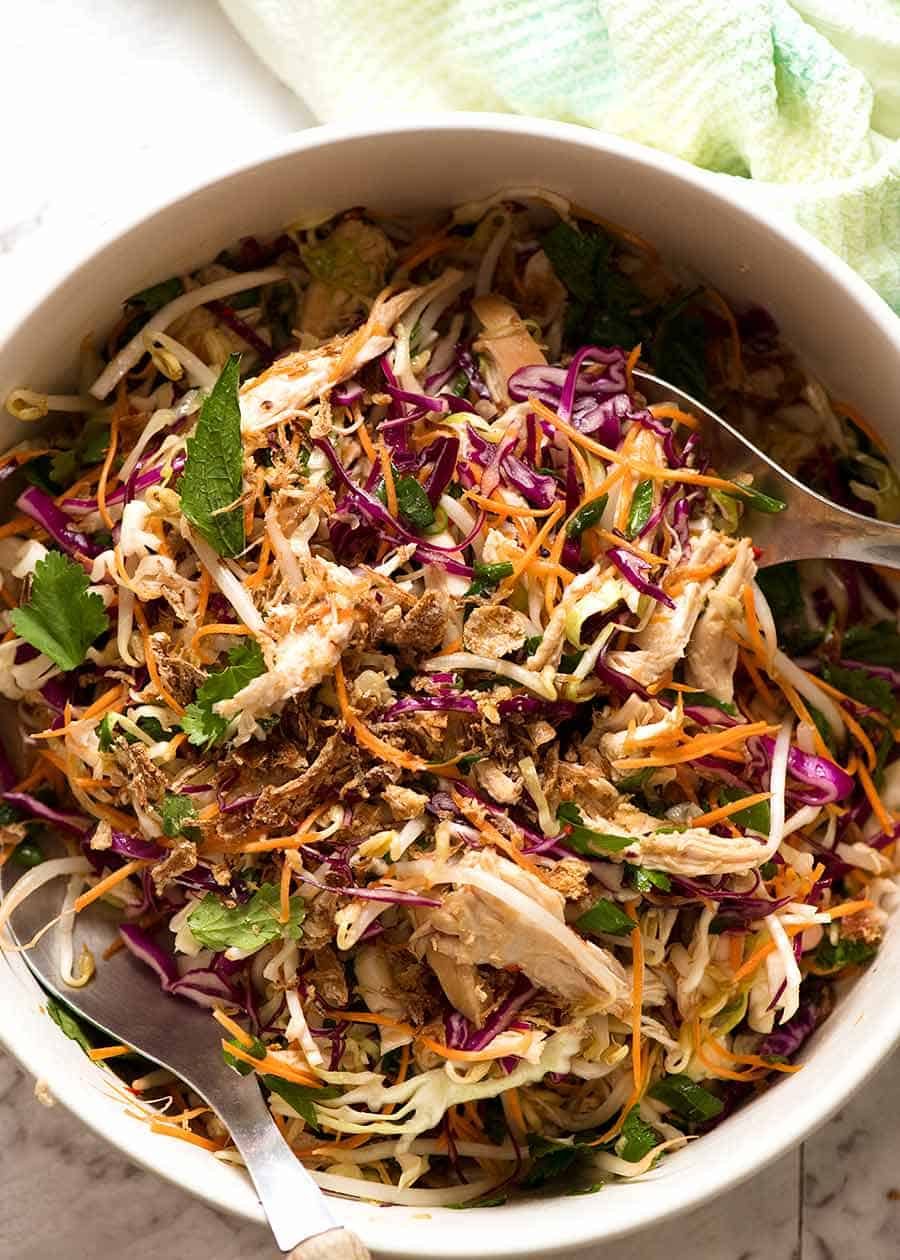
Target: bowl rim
(584, 1229)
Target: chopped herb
(9, 814)
(551, 1160)
(784, 595)
(637, 1138)
(175, 811)
(678, 351)
(686, 1098)
(301, 1098)
(459, 384)
(703, 699)
(768, 870)
(40, 472)
(202, 725)
(413, 503)
(89, 449)
(586, 516)
(605, 916)
(641, 508)
(68, 1023)
(756, 817)
(846, 953)
(248, 926)
(603, 303)
(158, 295)
(758, 501)
(585, 841)
(487, 576)
(645, 880)
(634, 782)
(497, 1201)
(28, 854)
(256, 1050)
(62, 618)
(212, 482)
(105, 731)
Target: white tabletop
(93, 94)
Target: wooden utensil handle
(335, 1244)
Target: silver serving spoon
(810, 527)
(124, 999)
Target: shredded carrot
(117, 877)
(493, 836)
(753, 629)
(878, 808)
(231, 1026)
(150, 660)
(530, 552)
(381, 748)
(218, 627)
(262, 569)
(101, 705)
(498, 508)
(699, 746)
(459, 1056)
(763, 952)
(284, 898)
(637, 992)
(110, 456)
(203, 593)
(852, 414)
(101, 1053)
(270, 1066)
(37, 774)
(736, 949)
(796, 703)
(669, 411)
(512, 1110)
(849, 907)
(733, 807)
(758, 681)
(387, 472)
(427, 249)
(633, 355)
(16, 526)
(173, 1130)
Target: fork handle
(336, 1244)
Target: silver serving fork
(124, 999)
(811, 526)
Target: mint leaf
(845, 953)
(679, 349)
(686, 1098)
(583, 840)
(249, 926)
(301, 1098)
(867, 688)
(641, 508)
(212, 481)
(413, 503)
(202, 726)
(68, 1024)
(876, 645)
(62, 619)
(551, 1160)
(174, 812)
(645, 880)
(605, 916)
(603, 302)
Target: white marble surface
(97, 98)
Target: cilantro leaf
(605, 916)
(756, 500)
(641, 508)
(174, 812)
(301, 1098)
(201, 724)
(637, 1137)
(62, 618)
(89, 448)
(583, 840)
(868, 688)
(68, 1024)
(413, 503)
(686, 1098)
(212, 480)
(248, 926)
(876, 645)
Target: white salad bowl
(834, 321)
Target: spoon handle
(337, 1244)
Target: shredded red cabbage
(633, 570)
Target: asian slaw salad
(409, 687)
